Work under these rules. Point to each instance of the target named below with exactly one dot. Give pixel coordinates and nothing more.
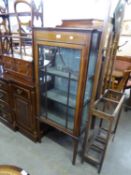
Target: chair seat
(117, 74)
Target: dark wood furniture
(65, 64)
(107, 110)
(82, 23)
(16, 26)
(120, 74)
(17, 87)
(17, 102)
(96, 109)
(123, 63)
(5, 108)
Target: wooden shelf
(61, 97)
(61, 73)
(54, 71)
(54, 115)
(60, 120)
(52, 120)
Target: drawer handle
(19, 91)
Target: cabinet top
(67, 29)
(64, 35)
(10, 78)
(82, 23)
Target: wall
(56, 10)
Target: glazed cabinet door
(58, 79)
(65, 75)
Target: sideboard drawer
(3, 85)
(25, 93)
(4, 95)
(4, 106)
(6, 116)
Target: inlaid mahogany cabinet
(17, 105)
(65, 63)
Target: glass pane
(58, 76)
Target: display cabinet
(65, 62)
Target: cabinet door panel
(59, 76)
(23, 113)
(4, 106)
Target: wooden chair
(121, 65)
(25, 36)
(119, 83)
(6, 42)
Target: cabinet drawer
(4, 106)
(3, 85)
(21, 92)
(5, 116)
(4, 95)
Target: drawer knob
(19, 91)
(0, 85)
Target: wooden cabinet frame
(82, 41)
